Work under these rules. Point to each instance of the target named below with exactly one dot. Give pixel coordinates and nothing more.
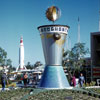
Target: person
(81, 80)
(3, 81)
(25, 79)
(34, 79)
(73, 81)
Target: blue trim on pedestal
(54, 77)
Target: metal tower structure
(78, 31)
(99, 15)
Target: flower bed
(40, 94)
(95, 90)
(62, 95)
(13, 94)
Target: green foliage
(11, 69)
(61, 95)
(37, 64)
(3, 58)
(24, 94)
(74, 58)
(8, 63)
(13, 94)
(79, 50)
(95, 90)
(29, 66)
(92, 83)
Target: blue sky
(22, 17)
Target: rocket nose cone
(21, 40)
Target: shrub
(87, 84)
(92, 83)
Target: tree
(8, 62)
(37, 64)
(74, 58)
(11, 69)
(3, 58)
(78, 53)
(29, 66)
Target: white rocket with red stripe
(21, 55)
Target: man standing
(3, 81)
(81, 80)
(25, 79)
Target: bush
(92, 83)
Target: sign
(52, 29)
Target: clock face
(53, 13)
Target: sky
(22, 17)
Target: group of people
(81, 80)
(29, 79)
(26, 78)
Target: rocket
(21, 55)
